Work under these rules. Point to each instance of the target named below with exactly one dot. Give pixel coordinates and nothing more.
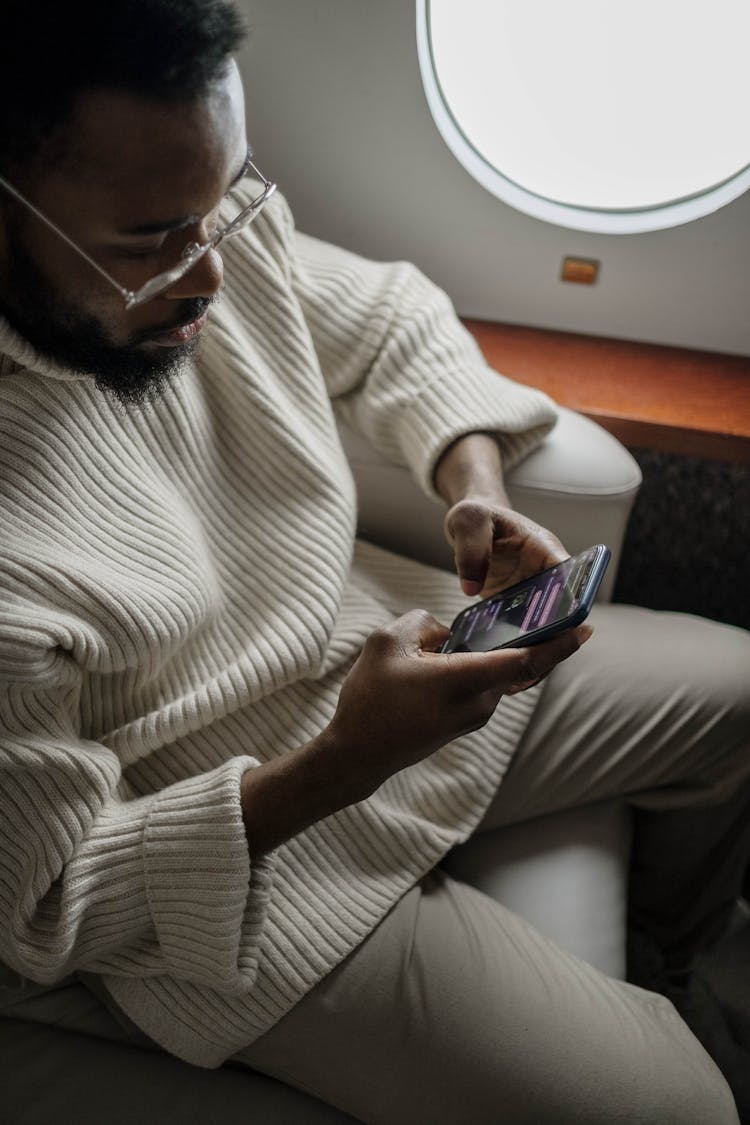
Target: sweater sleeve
(401, 368)
(94, 881)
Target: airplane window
(593, 115)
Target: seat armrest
(581, 483)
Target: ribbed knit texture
(180, 600)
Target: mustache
(188, 310)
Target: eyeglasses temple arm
(126, 293)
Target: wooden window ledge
(647, 395)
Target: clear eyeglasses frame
(190, 256)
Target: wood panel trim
(648, 395)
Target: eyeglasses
(189, 257)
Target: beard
(76, 339)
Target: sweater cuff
(518, 417)
(205, 900)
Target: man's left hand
(495, 546)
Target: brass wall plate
(584, 271)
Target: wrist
(472, 467)
(282, 797)
(328, 771)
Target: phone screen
(541, 601)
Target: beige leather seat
(566, 873)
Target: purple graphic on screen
(503, 618)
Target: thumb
(418, 629)
(514, 669)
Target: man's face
(140, 180)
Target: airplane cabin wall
(337, 114)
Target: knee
(723, 675)
(692, 1090)
(710, 677)
(666, 1078)
(723, 658)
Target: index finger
(470, 529)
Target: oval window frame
(589, 219)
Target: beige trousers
(455, 1010)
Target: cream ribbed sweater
(180, 599)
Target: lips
(180, 335)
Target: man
(232, 756)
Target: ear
(4, 228)
(9, 225)
(4, 220)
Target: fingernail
(469, 587)
(583, 632)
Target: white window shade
(596, 115)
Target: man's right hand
(401, 701)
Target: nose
(203, 280)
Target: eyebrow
(164, 226)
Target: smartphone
(534, 610)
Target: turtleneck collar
(17, 354)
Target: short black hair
(51, 51)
